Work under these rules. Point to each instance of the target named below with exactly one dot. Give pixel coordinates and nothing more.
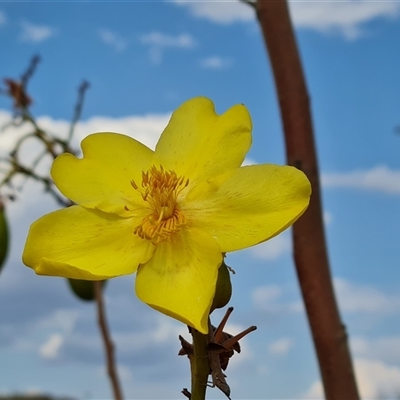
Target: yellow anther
(161, 190)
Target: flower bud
(3, 236)
(84, 290)
(223, 291)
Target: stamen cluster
(161, 189)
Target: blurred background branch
(15, 165)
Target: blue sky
(143, 59)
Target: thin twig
(84, 86)
(27, 75)
(47, 182)
(310, 252)
(108, 344)
(48, 141)
(53, 146)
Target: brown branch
(107, 341)
(310, 251)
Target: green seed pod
(4, 233)
(84, 290)
(223, 291)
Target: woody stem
(200, 365)
(107, 341)
(310, 250)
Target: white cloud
(222, 12)
(378, 179)
(164, 330)
(159, 42)
(268, 299)
(386, 349)
(184, 40)
(63, 320)
(56, 327)
(364, 299)
(35, 33)
(216, 62)
(345, 17)
(145, 128)
(113, 39)
(249, 161)
(3, 19)
(9, 135)
(281, 346)
(374, 379)
(50, 349)
(272, 249)
(315, 391)
(352, 298)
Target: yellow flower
(168, 214)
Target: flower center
(161, 189)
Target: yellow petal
(199, 144)
(87, 244)
(102, 178)
(256, 203)
(180, 278)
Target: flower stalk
(199, 365)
